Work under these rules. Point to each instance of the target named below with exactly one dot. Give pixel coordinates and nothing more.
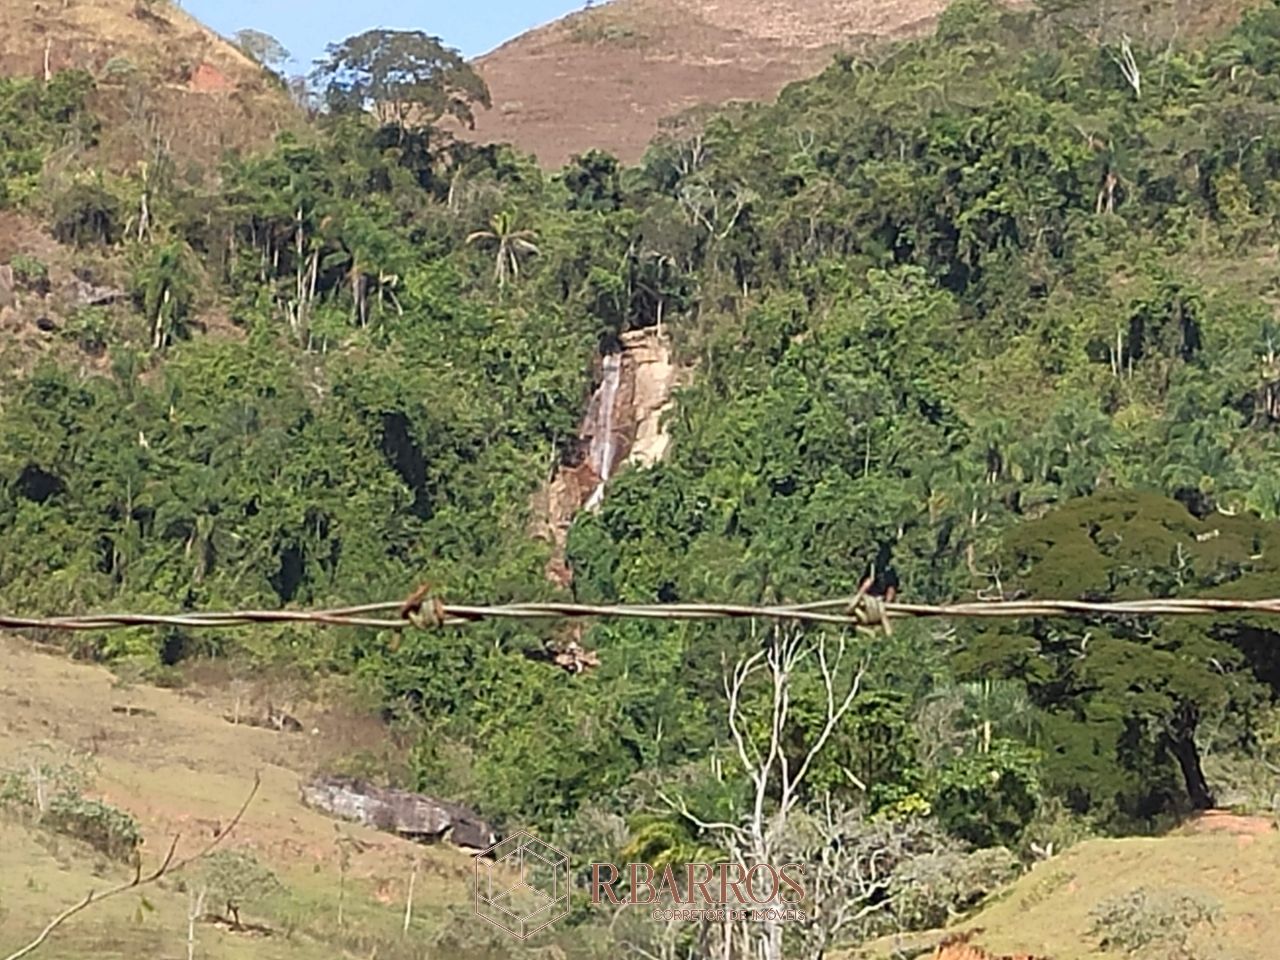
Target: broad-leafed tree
(405, 77)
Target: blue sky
(305, 27)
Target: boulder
(402, 812)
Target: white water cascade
(603, 448)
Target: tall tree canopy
(263, 47)
(406, 76)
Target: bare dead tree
(692, 156)
(1128, 65)
(168, 865)
(195, 910)
(777, 778)
(851, 889)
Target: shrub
(929, 890)
(46, 786)
(30, 274)
(119, 68)
(1156, 923)
(233, 878)
(41, 773)
(87, 213)
(1054, 829)
(988, 799)
(107, 829)
(90, 328)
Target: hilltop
(605, 77)
(609, 76)
(163, 77)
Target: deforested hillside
(606, 77)
(609, 77)
(161, 77)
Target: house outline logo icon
(522, 884)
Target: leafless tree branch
(167, 866)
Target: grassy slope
(1047, 912)
(185, 770)
(191, 90)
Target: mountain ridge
(606, 77)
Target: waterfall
(621, 427)
(603, 449)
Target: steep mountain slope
(163, 78)
(605, 77)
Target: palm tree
(973, 714)
(511, 245)
(167, 284)
(991, 708)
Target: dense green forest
(990, 314)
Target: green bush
(119, 67)
(107, 829)
(233, 878)
(90, 328)
(87, 213)
(989, 798)
(30, 274)
(39, 774)
(45, 786)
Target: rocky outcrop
(960, 946)
(411, 815)
(623, 426)
(653, 378)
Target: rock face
(654, 376)
(623, 426)
(410, 815)
(961, 947)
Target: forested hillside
(984, 315)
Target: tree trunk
(408, 901)
(1183, 744)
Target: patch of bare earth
(34, 319)
(1224, 821)
(605, 77)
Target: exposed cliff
(623, 426)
